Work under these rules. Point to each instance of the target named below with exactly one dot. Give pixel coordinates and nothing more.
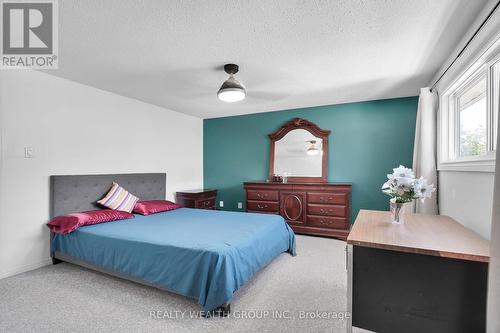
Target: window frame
(449, 158)
(495, 61)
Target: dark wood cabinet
(322, 209)
(200, 199)
(429, 274)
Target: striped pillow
(119, 199)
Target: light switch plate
(240, 205)
(28, 152)
(221, 203)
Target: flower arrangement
(403, 187)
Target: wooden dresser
(201, 199)
(322, 209)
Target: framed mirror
(299, 151)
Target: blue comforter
(203, 254)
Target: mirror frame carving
(298, 123)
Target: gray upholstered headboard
(77, 193)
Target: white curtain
(425, 147)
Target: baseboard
(25, 268)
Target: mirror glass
(298, 154)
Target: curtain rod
(466, 44)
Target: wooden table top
(435, 235)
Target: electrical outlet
(240, 205)
(221, 203)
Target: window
(472, 114)
(469, 117)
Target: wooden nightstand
(200, 199)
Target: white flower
(404, 181)
(422, 189)
(401, 177)
(402, 172)
(401, 180)
(388, 184)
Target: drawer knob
(325, 199)
(261, 206)
(262, 195)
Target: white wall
(77, 129)
(468, 196)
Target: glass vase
(396, 212)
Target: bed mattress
(202, 254)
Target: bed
(202, 254)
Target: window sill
(470, 165)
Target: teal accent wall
(367, 140)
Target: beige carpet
(67, 298)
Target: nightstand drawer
(262, 206)
(205, 204)
(200, 199)
(262, 195)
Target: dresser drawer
(327, 210)
(205, 204)
(262, 206)
(262, 195)
(327, 198)
(327, 222)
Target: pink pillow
(147, 207)
(65, 224)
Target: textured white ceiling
(291, 53)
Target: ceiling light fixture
(231, 90)
(312, 150)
